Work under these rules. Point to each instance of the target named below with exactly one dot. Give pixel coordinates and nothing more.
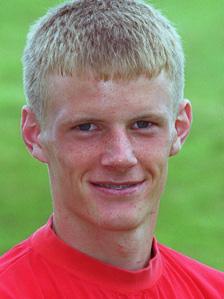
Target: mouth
(120, 188)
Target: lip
(131, 188)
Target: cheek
(153, 150)
(153, 158)
(74, 156)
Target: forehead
(77, 95)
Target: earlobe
(31, 134)
(182, 126)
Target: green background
(191, 219)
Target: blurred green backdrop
(192, 209)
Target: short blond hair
(112, 39)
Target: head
(104, 82)
(112, 39)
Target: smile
(118, 189)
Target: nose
(118, 152)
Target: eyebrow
(80, 119)
(155, 116)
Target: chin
(121, 223)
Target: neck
(129, 249)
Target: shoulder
(16, 256)
(205, 277)
(15, 269)
(19, 258)
(176, 258)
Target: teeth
(116, 187)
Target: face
(107, 146)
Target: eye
(87, 127)
(142, 124)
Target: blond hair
(112, 39)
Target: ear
(31, 134)
(182, 126)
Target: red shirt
(44, 267)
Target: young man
(104, 83)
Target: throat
(131, 253)
(129, 250)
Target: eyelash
(143, 124)
(84, 125)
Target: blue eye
(142, 124)
(86, 127)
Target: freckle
(120, 248)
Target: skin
(97, 138)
